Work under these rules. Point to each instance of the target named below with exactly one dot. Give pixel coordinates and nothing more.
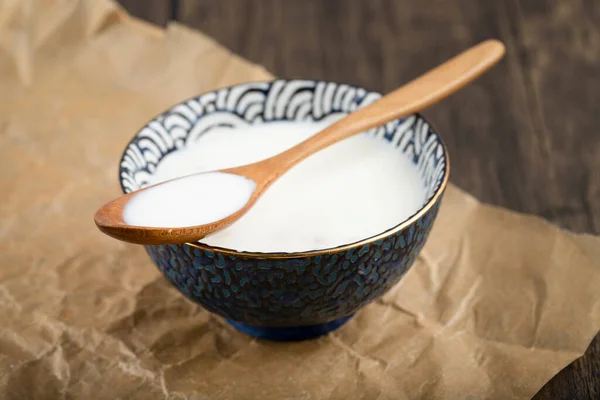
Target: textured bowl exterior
(311, 292)
(296, 291)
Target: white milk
(350, 191)
(190, 200)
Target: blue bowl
(288, 296)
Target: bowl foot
(289, 333)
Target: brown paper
(496, 304)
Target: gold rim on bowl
(283, 255)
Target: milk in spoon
(190, 200)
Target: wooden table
(525, 136)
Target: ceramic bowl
(288, 296)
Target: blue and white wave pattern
(254, 103)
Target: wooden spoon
(418, 94)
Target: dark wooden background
(525, 136)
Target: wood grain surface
(524, 136)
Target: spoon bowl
(287, 296)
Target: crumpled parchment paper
(497, 303)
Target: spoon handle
(420, 93)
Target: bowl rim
(308, 253)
